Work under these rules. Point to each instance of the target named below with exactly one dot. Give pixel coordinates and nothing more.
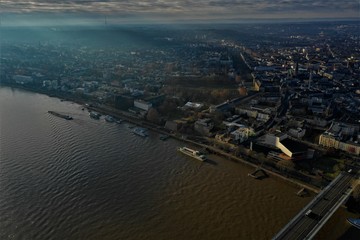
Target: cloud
(185, 8)
(87, 6)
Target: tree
(167, 107)
(356, 193)
(285, 165)
(153, 116)
(261, 157)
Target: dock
(302, 192)
(164, 137)
(259, 173)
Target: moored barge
(67, 117)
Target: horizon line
(87, 21)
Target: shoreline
(158, 129)
(142, 123)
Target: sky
(117, 11)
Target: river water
(89, 179)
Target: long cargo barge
(67, 117)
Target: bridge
(312, 218)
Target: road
(322, 207)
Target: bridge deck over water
(305, 225)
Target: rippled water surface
(89, 179)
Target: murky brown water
(89, 179)
(338, 228)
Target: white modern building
(143, 105)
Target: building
(143, 105)
(345, 137)
(192, 105)
(297, 133)
(237, 132)
(175, 125)
(156, 100)
(204, 126)
(123, 102)
(333, 141)
(20, 79)
(286, 147)
(242, 134)
(261, 114)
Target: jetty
(258, 173)
(164, 137)
(302, 192)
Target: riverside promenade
(140, 122)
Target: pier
(302, 192)
(259, 173)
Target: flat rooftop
(294, 146)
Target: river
(90, 179)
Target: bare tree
(356, 193)
(153, 116)
(285, 165)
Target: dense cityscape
(284, 97)
(231, 87)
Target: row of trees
(207, 95)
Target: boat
(164, 137)
(67, 117)
(119, 121)
(192, 153)
(355, 222)
(140, 131)
(95, 115)
(109, 118)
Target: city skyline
(26, 12)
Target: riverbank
(140, 122)
(107, 110)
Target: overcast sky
(173, 10)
